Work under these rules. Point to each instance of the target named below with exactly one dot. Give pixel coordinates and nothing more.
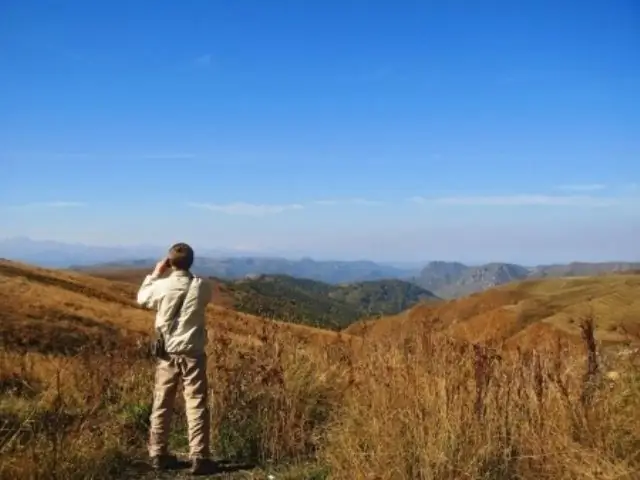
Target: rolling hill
(47, 310)
(321, 304)
(301, 300)
(101, 304)
(530, 313)
(533, 313)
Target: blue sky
(474, 131)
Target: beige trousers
(193, 373)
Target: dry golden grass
(427, 411)
(128, 275)
(511, 313)
(418, 406)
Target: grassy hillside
(304, 301)
(320, 304)
(76, 379)
(300, 403)
(527, 312)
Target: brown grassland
(525, 313)
(536, 380)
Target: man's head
(181, 256)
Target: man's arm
(149, 293)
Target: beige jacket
(189, 332)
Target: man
(180, 300)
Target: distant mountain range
(52, 254)
(444, 279)
(210, 262)
(453, 279)
(333, 272)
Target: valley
(301, 300)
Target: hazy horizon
(132, 252)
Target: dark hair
(181, 256)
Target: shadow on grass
(144, 469)
(224, 466)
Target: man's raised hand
(161, 267)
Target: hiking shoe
(164, 462)
(201, 466)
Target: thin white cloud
(418, 199)
(242, 208)
(356, 201)
(168, 156)
(589, 187)
(204, 60)
(524, 200)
